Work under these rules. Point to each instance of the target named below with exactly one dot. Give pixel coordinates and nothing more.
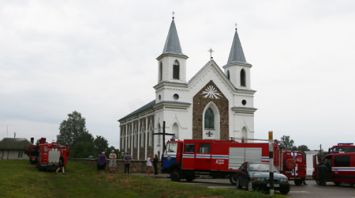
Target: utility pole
(271, 160)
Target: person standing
(112, 161)
(149, 166)
(127, 161)
(101, 161)
(155, 164)
(60, 165)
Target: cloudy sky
(98, 57)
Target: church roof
(140, 110)
(236, 54)
(172, 43)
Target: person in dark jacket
(101, 161)
(60, 165)
(127, 162)
(155, 164)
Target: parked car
(256, 177)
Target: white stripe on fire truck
(188, 156)
(220, 156)
(343, 169)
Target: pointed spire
(236, 55)
(172, 43)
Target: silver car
(255, 176)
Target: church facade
(213, 104)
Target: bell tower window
(242, 78)
(160, 71)
(176, 70)
(228, 75)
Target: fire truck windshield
(171, 147)
(342, 149)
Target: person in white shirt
(149, 166)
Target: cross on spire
(211, 51)
(236, 25)
(173, 15)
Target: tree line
(82, 144)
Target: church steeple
(172, 43)
(236, 54)
(237, 69)
(172, 62)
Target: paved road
(310, 190)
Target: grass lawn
(20, 179)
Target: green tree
(83, 146)
(303, 148)
(100, 144)
(286, 142)
(71, 129)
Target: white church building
(215, 103)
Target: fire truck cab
(338, 165)
(188, 159)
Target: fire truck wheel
(175, 175)
(190, 178)
(298, 182)
(337, 183)
(232, 179)
(284, 190)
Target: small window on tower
(160, 71)
(242, 78)
(176, 96)
(228, 75)
(176, 70)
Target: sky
(98, 58)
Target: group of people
(151, 165)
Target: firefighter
(60, 165)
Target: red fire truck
(292, 164)
(187, 159)
(46, 155)
(337, 166)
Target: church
(215, 103)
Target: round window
(176, 96)
(244, 102)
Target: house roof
(140, 110)
(14, 144)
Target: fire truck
(291, 163)
(46, 155)
(337, 166)
(188, 159)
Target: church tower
(171, 69)
(237, 69)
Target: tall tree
(286, 142)
(83, 147)
(100, 144)
(71, 129)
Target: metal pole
(163, 137)
(271, 171)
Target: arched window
(175, 130)
(176, 70)
(228, 75)
(209, 119)
(160, 71)
(242, 78)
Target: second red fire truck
(188, 159)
